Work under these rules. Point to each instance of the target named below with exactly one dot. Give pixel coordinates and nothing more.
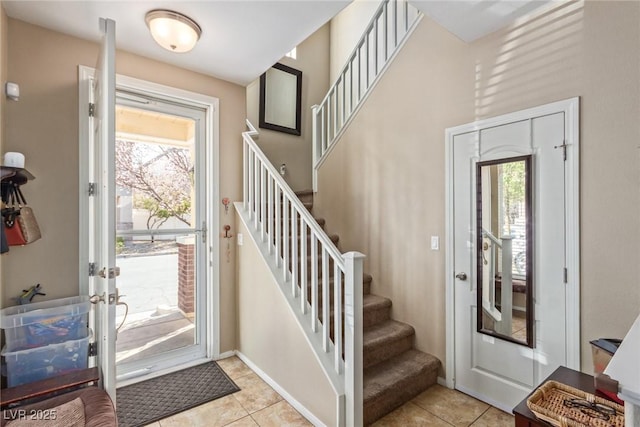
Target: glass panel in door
(158, 242)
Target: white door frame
(212, 187)
(570, 108)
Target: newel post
(314, 146)
(353, 362)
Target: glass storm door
(98, 221)
(160, 235)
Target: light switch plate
(435, 243)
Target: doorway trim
(212, 181)
(570, 109)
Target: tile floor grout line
(484, 412)
(431, 413)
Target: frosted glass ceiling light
(172, 30)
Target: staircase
(394, 372)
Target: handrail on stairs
(388, 29)
(310, 267)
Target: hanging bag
(20, 223)
(27, 220)
(12, 230)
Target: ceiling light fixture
(172, 30)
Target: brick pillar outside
(186, 275)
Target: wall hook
(227, 228)
(226, 203)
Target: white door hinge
(564, 146)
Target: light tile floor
(257, 404)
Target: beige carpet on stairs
(394, 371)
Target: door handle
(113, 272)
(462, 276)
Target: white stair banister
(280, 224)
(366, 63)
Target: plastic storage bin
(42, 323)
(34, 364)
(602, 350)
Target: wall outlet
(435, 243)
(240, 239)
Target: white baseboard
(444, 383)
(274, 385)
(226, 354)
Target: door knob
(461, 276)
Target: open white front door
(496, 364)
(98, 270)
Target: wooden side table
(579, 380)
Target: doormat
(148, 401)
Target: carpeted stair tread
(384, 332)
(376, 309)
(394, 382)
(302, 193)
(366, 283)
(386, 340)
(305, 196)
(394, 372)
(372, 301)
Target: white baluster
(337, 317)
(270, 201)
(285, 237)
(263, 206)
(326, 300)
(251, 183)
(256, 191)
(278, 244)
(314, 282)
(294, 251)
(245, 179)
(303, 266)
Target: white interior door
(496, 370)
(100, 224)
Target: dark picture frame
(281, 99)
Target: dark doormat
(148, 401)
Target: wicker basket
(548, 404)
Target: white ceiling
(472, 19)
(243, 38)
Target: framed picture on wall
(281, 99)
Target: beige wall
(44, 126)
(382, 189)
(295, 151)
(4, 52)
(3, 78)
(268, 330)
(346, 29)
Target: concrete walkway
(154, 324)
